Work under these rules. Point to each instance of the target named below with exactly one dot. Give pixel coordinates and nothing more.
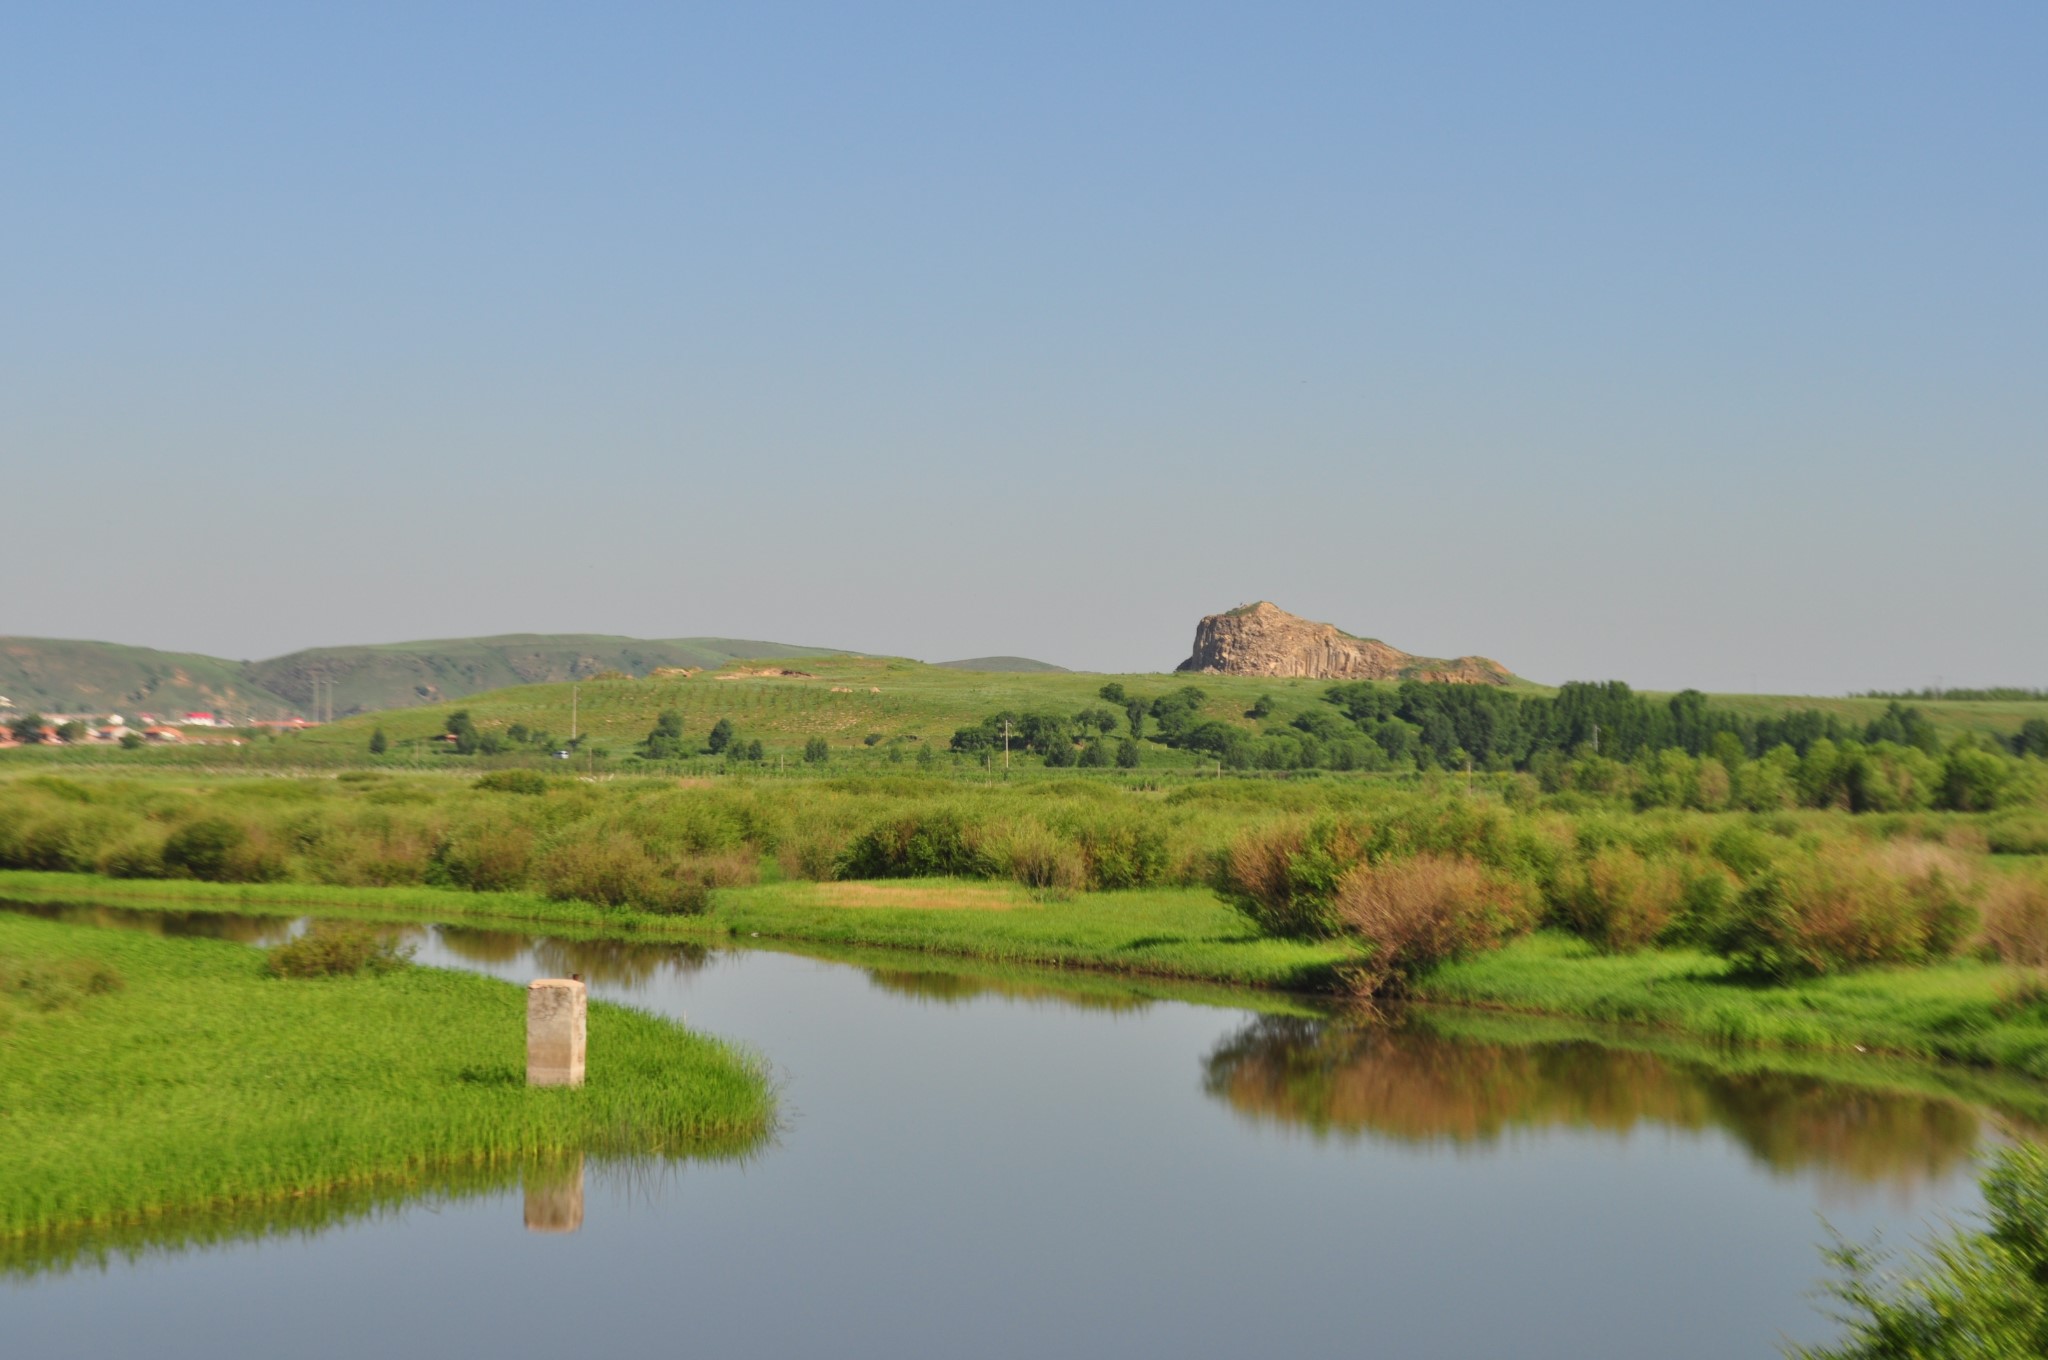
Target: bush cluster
(1782, 897)
(332, 949)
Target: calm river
(999, 1169)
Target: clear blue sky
(1686, 345)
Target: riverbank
(1179, 933)
(151, 1079)
(1961, 1011)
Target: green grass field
(145, 1079)
(906, 706)
(1963, 1011)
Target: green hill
(908, 704)
(1023, 665)
(63, 676)
(56, 675)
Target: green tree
(28, 729)
(755, 751)
(1262, 709)
(1113, 693)
(1135, 710)
(72, 731)
(379, 743)
(461, 727)
(131, 741)
(817, 751)
(1094, 756)
(1127, 754)
(925, 758)
(1971, 780)
(721, 736)
(665, 738)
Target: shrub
(2018, 833)
(2016, 920)
(609, 870)
(1622, 901)
(221, 851)
(54, 985)
(337, 950)
(490, 857)
(1285, 877)
(1122, 852)
(1420, 911)
(140, 855)
(930, 844)
(1037, 858)
(1845, 906)
(513, 781)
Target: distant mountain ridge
(1013, 665)
(59, 675)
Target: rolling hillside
(1013, 664)
(62, 676)
(907, 704)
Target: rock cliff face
(1264, 639)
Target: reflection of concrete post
(556, 1028)
(554, 1196)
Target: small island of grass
(144, 1080)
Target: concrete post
(556, 1030)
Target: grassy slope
(843, 700)
(928, 703)
(64, 675)
(1002, 663)
(405, 674)
(58, 675)
(202, 1083)
(1961, 1011)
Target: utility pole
(1596, 739)
(1006, 748)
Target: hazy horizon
(1686, 348)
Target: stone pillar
(556, 1028)
(554, 1196)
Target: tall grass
(1981, 1292)
(202, 1083)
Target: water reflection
(625, 963)
(184, 1228)
(201, 925)
(554, 1195)
(1406, 1082)
(952, 989)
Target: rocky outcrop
(1264, 639)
